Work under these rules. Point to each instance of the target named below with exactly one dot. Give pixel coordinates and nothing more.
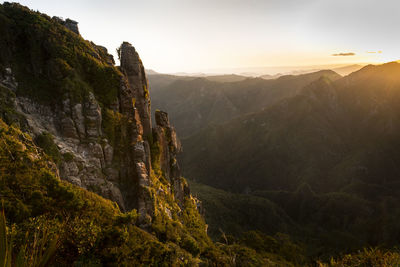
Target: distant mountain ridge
(195, 103)
(271, 72)
(346, 70)
(326, 113)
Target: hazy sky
(206, 35)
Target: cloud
(344, 54)
(374, 52)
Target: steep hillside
(328, 157)
(197, 103)
(239, 213)
(91, 229)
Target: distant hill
(151, 72)
(195, 103)
(270, 77)
(159, 80)
(343, 71)
(226, 78)
(346, 70)
(162, 80)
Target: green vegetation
(50, 61)
(367, 257)
(7, 108)
(112, 124)
(90, 228)
(155, 151)
(37, 254)
(46, 142)
(236, 213)
(68, 157)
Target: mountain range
(317, 151)
(327, 156)
(194, 103)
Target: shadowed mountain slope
(328, 157)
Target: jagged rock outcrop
(121, 169)
(96, 118)
(169, 146)
(135, 105)
(7, 79)
(72, 25)
(86, 160)
(102, 50)
(137, 92)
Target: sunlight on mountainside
(200, 133)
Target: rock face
(7, 80)
(135, 105)
(169, 146)
(72, 25)
(120, 168)
(137, 91)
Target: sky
(225, 35)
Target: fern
(37, 255)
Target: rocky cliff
(104, 137)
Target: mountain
(162, 80)
(84, 169)
(198, 102)
(226, 78)
(316, 131)
(327, 156)
(269, 77)
(151, 72)
(346, 70)
(343, 71)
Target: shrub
(46, 142)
